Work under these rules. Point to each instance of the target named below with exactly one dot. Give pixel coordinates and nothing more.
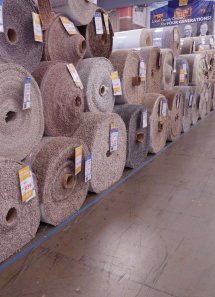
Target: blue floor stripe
(94, 201)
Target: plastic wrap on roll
(158, 121)
(20, 129)
(175, 104)
(127, 62)
(107, 166)
(95, 74)
(63, 101)
(137, 124)
(212, 81)
(18, 221)
(186, 46)
(132, 39)
(60, 190)
(195, 106)
(98, 45)
(188, 104)
(180, 78)
(17, 41)
(168, 77)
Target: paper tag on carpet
(174, 65)
(184, 66)
(98, 23)
(178, 101)
(68, 25)
(27, 184)
(191, 99)
(212, 42)
(182, 75)
(116, 83)
(94, 2)
(201, 48)
(175, 34)
(88, 168)
(1, 17)
(106, 23)
(114, 139)
(144, 119)
(75, 76)
(78, 159)
(163, 108)
(194, 46)
(206, 95)
(112, 126)
(27, 94)
(142, 70)
(38, 35)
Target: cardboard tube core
(11, 215)
(108, 154)
(87, 1)
(176, 116)
(68, 181)
(12, 36)
(77, 102)
(136, 81)
(160, 126)
(102, 90)
(83, 46)
(9, 116)
(140, 137)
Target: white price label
(88, 168)
(142, 70)
(106, 23)
(206, 95)
(38, 35)
(175, 34)
(184, 66)
(178, 102)
(98, 23)
(75, 76)
(1, 17)
(68, 25)
(182, 75)
(27, 184)
(114, 139)
(116, 83)
(144, 119)
(163, 107)
(78, 159)
(201, 48)
(174, 65)
(191, 99)
(27, 94)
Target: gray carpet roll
(158, 121)
(20, 130)
(61, 192)
(181, 63)
(127, 62)
(212, 81)
(136, 119)
(186, 92)
(63, 101)
(175, 113)
(18, 221)
(168, 77)
(186, 46)
(195, 106)
(80, 11)
(95, 74)
(17, 41)
(107, 168)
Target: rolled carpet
(181, 63)
(186, 92)
(95, 74)
(212, 81)
(63, 101)
(195, 106)
(127, 62)
(186, 47)
(132, 39)
(158, 122)
(20, 130)
(175, 105)
(18, 221)
(80, 11)
(151, 54)
(210, 63)
(107, 167)
(168, 77)
(137, 124)
(204, 40)
(164, 38)
(206, 100)
(17, 41)
(61, 192)
(98, 45)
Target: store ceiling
(111, 4)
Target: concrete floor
(152, 236)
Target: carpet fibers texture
(18, 221)
(212, 81)
(195, 106)
(168, 77)
(136, 119)
(95, 74)
(20, 130)
(158, 123)
(186, 46)
(206, 100)
(107, 167)
(175, 113)
(181, 63)
(63, 101)
(17, 41)
(204, 40)
(127, 62)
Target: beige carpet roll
(158, 122)
(132, 39)
(195, 106)
(168, 77)
(164, 38)
(175, 104)
(18, 221)
(210, 63)
(127, 62)
(182, 79)
(206, 100)
(60, 191)
(186, 46)
(212, 81)
(107, 167)
(151, 54)
(205, 42)
(20, 130)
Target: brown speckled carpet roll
(137, 136)
(179, 66)
(168, 77)
(98, 45)
(186, 46)
(158, 123)
(63, 101)
(132, 39)
(187, 113)
(80, 11)
(107, 168)
(153, 70)
(17, 41)
(95, 74)
(18, 221)
(60, 191)
(20, 130)
(212, 81)
(164, 38)
(127, 62)
(175, 114)
(195, 106)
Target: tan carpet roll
(206, 100)
(168, 77)
(127, 62)
(205, 42)
(179, 66)
(212, 81)
(158, 123)
(186, 46)
(211, 63)
(175, 113)
(195, 107)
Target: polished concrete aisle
(152, 236)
